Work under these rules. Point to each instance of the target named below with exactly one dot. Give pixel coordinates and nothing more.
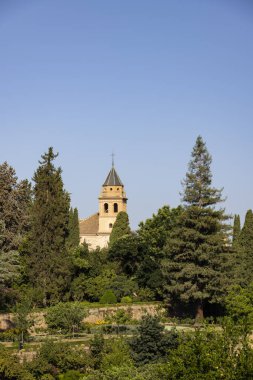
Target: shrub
(146, 294)
(126, 299)
(108, 297)
(66, 317)
(58, 357)
(151, 343)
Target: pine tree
(120, 227)
(236, 228)
(74, 232)
(246, 235)
(47, 260)
(151, 343)
(194, 267)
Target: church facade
(96, 229)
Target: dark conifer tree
(120, 227)
(47, 260)
(194, 267)
(246, 235)
(74, 232)
(236, 228)
(15, 198)
(244, 249)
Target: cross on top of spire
(113, 155)
(113, 179)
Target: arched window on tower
(115, 207)
(106, 208)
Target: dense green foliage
(15, 198)
(73, 229)
(239, 303)
(153, 235)
(207, 353)
(120, 227)
(9, 270)
(66, 317)
(196, 248)
(22, 317)
(108, 297)
(10, 368)
(244, 249)
(46, 254)
(55, 358)
(151, 343)
(236, 228)
(126, 251)
(183, 256)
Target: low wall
(95, 315)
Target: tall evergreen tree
(15, 198)
(236, 228)
(120, 227)
(194, 267)
(47, 260)
(244, 249)
(74, 231)
(246, 235)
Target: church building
(95, 230)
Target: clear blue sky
(142, 78)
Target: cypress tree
(74, 232)
(236, 228)
(194, 266)
(245, 249)
(120, 227)
(47, 261)
(246, 235)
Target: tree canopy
(196, 248)
(46, 256)
(120, 227)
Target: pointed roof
(113, 179)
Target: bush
(108, 297)
(66, 317)
(239, 303)
(126, 299)
(146, 294)
(10, 367)
(57, 357)
(120, 317)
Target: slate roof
(89, 225)
(113, 179)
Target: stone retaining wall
(95, 315)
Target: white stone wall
(95, 241)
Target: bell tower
(112, 200)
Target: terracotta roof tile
(89, 225)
